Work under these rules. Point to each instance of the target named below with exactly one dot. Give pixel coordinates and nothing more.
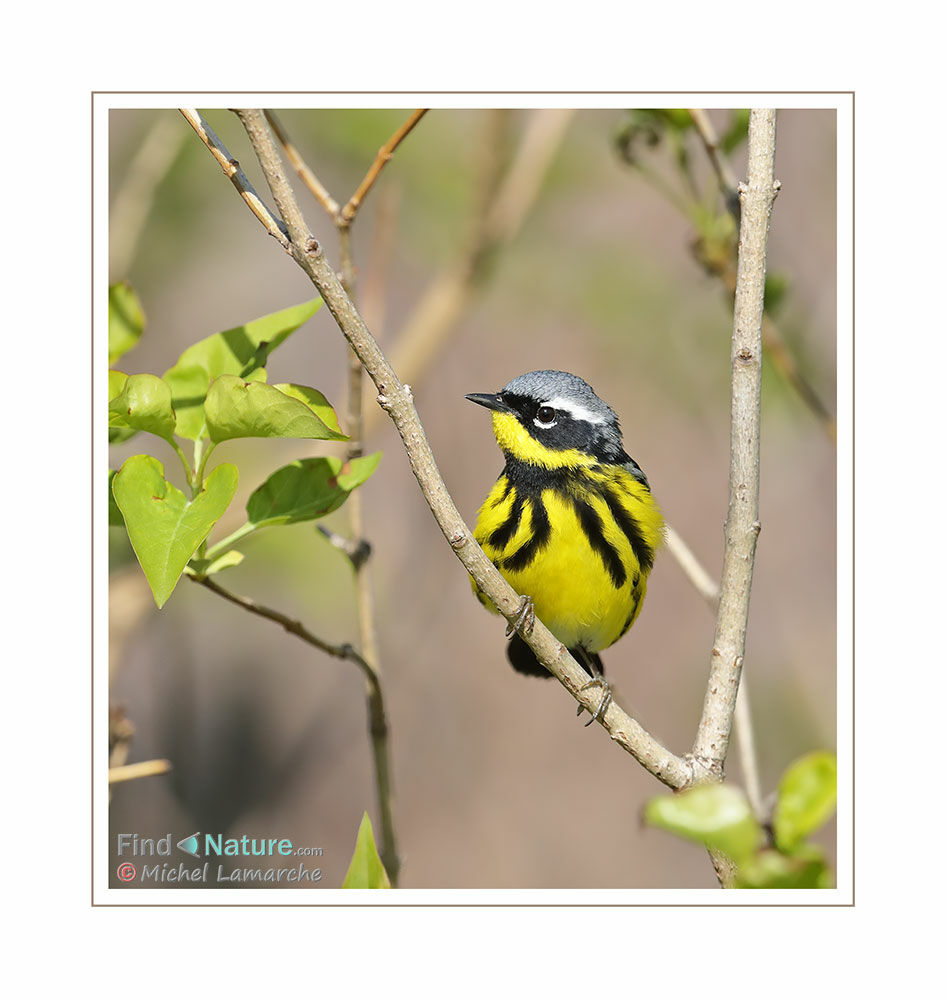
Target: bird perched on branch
(570, 523)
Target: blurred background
(494, 243)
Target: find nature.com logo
(204, 847)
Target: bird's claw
(598, 681)
(523, 622)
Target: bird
(570, 523)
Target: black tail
(523, 660)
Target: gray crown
(544, 386)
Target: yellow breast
(581, 547)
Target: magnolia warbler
(570, 522)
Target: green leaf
(237, 408)
(241, 351)
(366, 869)
(772, 869)
(307, 489)
(807, 795)
(355, 472)
(144, 403)
(126, 320)
(716, 815)
(208, 566)
(316, 401)
(117, 381)
(164, 527)
(188, 384)
(115, 515)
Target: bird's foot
(523, 622)
(603, 685)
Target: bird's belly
(572, 592)
(574, 597)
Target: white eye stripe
(576, 410)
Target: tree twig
(395, 398)
(508, 200)
(302, 169)
(773, 341)
(378, 719)
(384, 155)
(237, 177)
(726, 178)
(743, 716)
(291, 625)
(134, 771)
(743, 526)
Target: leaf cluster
(215, 392)
(719, 817)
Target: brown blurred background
(497, 784)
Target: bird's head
(553, 419)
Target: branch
(773, 340)
(384, 155)
(742, 527)
(395, 398)
(134, 771)
(359, 552)
(508, 202)
(743, 716)
(237, 177)
(306, 175)
(291, 625)
(726, 178)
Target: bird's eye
(545, 417)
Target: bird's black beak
(491, 400)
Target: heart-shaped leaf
(366, 869)
(126, 320)
(716, 815)
(165, 528)
(144, 403)
(307, 489)
(241, 351)
(807, 794)
(238, 408)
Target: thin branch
(134, 771)
(742, 527)
(726, 178)
(746, 750)
(378, 719)
(395, 398)
(302, 169)
(237, 177)
(773, 341)
(510, 199)
(355, 551)
(695, 572)
(384, 155)
(743, 716)
(291, 625)
(358, 554)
